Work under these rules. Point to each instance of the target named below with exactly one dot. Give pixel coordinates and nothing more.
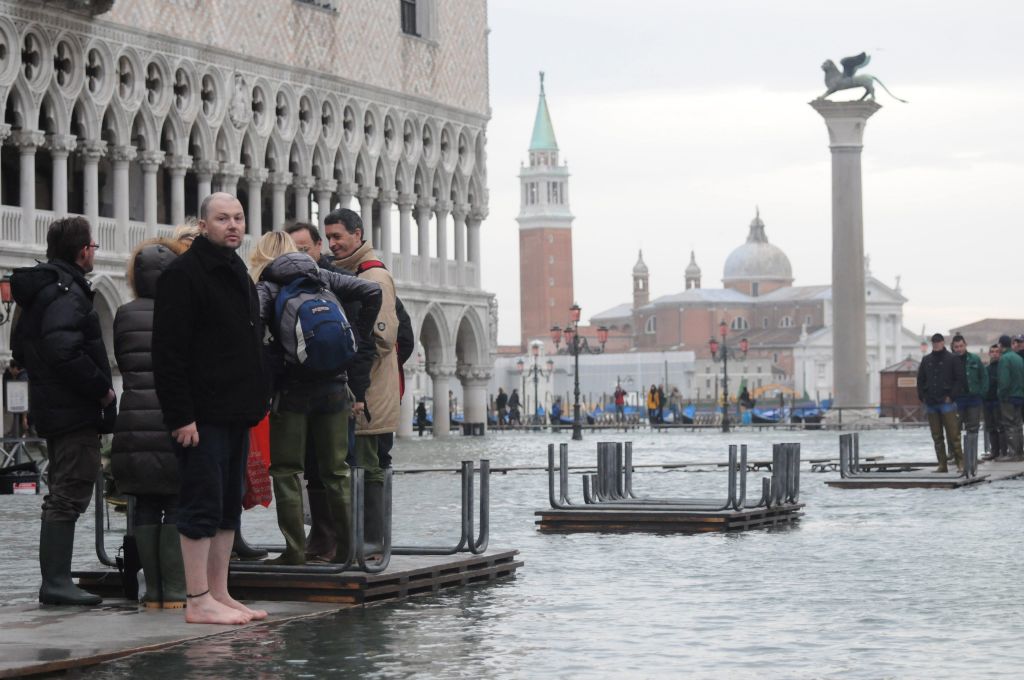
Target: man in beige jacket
(377, 418)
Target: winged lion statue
(849, 79)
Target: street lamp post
(720, 352)
(574, 345)
(537, 374)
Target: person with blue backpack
(320, 363)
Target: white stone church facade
(129, 112)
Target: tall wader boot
(951, 424)
(172, 568)
(971, 448)
(288, 498)
(147, 540)
(322, 542)
(56, 543)
(935, 425)
(340, 503)
(243, 551)
(373, 515)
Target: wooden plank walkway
(38, 639)
(988, 471)
(665, 521)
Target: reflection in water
(875, 583)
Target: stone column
(254, 178)
(121, 158)
(204, 180)
(27, 142)
(91, 151)
(324, 190)
(845, 122)
(440, 376)
(897, 329)
(279, 181)
(230, 173)
(474, 381)
(178, 166)
(408, 406)
(385, 199)
(302, 184)
(60, 147)
(346, 190)
(424, 211)
(366, 198)
(150, 162)
(441, 209)
(476, 217)
(459, 213)
(405, 205)
(5, 132)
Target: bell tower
(545, 233)
(641, 283)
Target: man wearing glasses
(59, 341)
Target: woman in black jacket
(142, 457)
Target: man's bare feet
(253, 614)
(205, 609)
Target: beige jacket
(382, 397)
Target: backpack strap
(369, 264)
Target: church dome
(757, 260)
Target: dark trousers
(71, 475)
(970, 417)
(155, 509)
(994, 429)
(1011, 420)
(212, 479)
(945, 428)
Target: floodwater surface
(869, 584)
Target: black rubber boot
(244, 551)
(147, 540)
(373, 519)
(322, 543)
(172, 568)
(56, 542)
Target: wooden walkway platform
(990, 471)
(665, 521)
(38, 639)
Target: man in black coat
(993, 419)
(58, 340)
(212, 384)
(940, 380)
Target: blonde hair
(270, 246)
(187, 232)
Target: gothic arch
(84, 118)
(200, 142)
(144, 136)
(56, 105)
(172, 135)
(115, 128)
(470, 339)
(434, 335)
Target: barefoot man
(212, 384)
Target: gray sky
(678, 117)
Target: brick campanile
(545, 234)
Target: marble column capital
(460, 211)
(256, 175)
(121, 154)
(178, 165)
(206, 169)
(28, 141)
(406, 201)
(367, 193)
(235, 170)
(61, 145)
(425, 207)
(478, 213)
(474, 375)
(348, 188)
(303, 182)
(279, 179)
(440, 371)
(92, 149)
(325, 185)
(150, 161)
(845, 121)
(442, 207)
(387, 196)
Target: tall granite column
(845, 122)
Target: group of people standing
(957, 388)
(204, 357)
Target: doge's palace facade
(130, 112)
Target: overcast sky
(678, 117)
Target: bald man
(213, 386)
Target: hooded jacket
(142, 457)
(58, 340)
(348, 290)
(382, 397)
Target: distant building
(982, 334)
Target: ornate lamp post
(720, 352)
(537, 374)
(574, 345)
(7, 298)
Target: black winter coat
(142, 457)
(58, 340)
(207, 345)
(993, 382)
(940, 376)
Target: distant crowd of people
(959, 392)
(207, 349)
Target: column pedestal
(474, 381)
(845, 122)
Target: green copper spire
(543, 132)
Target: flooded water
(870, 584)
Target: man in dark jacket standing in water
(58, 339)
(939, 382)
(212, 385)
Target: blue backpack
(312, 328)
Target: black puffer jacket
(58, 340)
(142, 457)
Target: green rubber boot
(147, 541)
(56, 543)
(288, 498)
(172, 568)
(340, 500)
